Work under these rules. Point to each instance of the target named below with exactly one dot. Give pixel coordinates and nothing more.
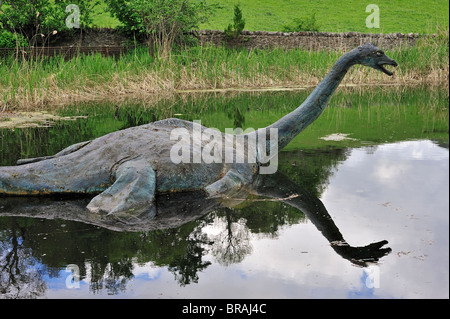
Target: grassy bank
(30, 85)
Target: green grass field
(422, 16)
(418, 16)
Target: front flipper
(232, 180)
(132, 192)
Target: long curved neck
(295, 122)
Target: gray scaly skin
(126, 168)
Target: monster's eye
(379, 53)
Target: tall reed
(49, 82)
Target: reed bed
(51, 82)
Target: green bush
(10, 40)
(161, 22)
(303, 24)
(38, 19)
(233, 31)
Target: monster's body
(143, 153)
(126, 168)
(91, 167)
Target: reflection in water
(174, 237)
(17, 278)
(232, 244)
(40, 237)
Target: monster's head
(370, 55)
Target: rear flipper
(132, 192)
(232, 180)
(68, 150)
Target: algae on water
(31, 119)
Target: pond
(373, 168)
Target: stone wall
(308, 40)
(97, 37)
(253, 39)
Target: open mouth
(382, 68)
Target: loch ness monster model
(125, 169)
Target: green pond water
(376, 161)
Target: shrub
(37, 19)
(10, 40)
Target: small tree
(161, 22)
(233, 31)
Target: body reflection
(174, 238)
